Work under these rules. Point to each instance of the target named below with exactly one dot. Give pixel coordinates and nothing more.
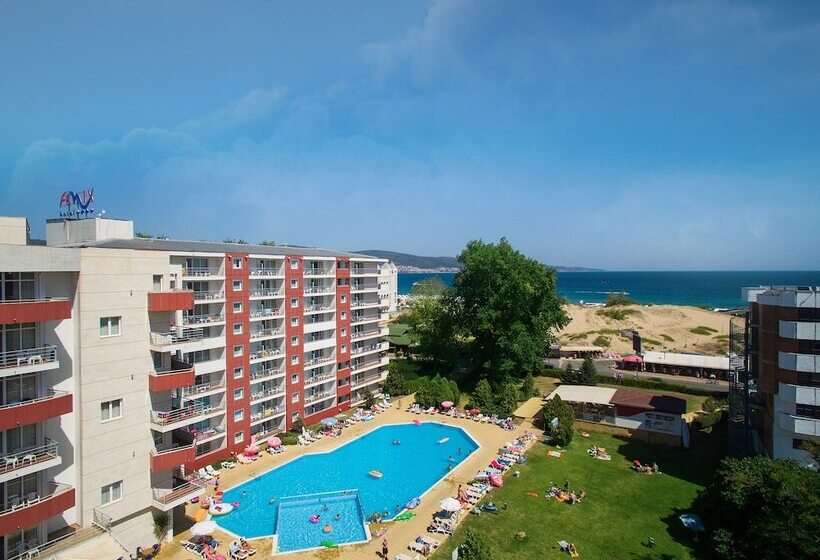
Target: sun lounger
(242, 458)
(302, 441)
(228, 465)
(429, 541)
(401, 556)
(439, 526)
(204, 474)
(418, 547)
(211, 471)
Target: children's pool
(409, 468)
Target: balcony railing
(266, 354)
(209, 295)
(177, 337)
(262, 333)
(202, 434)
(313, 379)
(267, 413)
(313, 397)
(29, 456)
(318, 271)
(364, 380)
(363, 271)
(317, 361)
(355, 304)
(317, 308)
(202, 271)
(195, 390)
(17, 503)
(370, 348)
(166, 417)
(272, 392)
(364, 365)
(364, 318)
(322, 290)
(269, 312)
(261, 271)
(267, 293)
(203, 319)
(365, 334)
(267, 372)
(168, 495)
(28, 357)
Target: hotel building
(126, 363)
(783, 361)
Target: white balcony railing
(313, 397)
(266, 293)
(209, 295)
(321, 290)
(317, 361)
(28, 357)
(263, 271)
(262, 333)
(319, 271)
(268, 312)
(318, 308)
(314, 379)
(203, 319)
(187, 412)
(177, 337)
(195, 390)
(201, 271)
(27, 456)
(267, 393)
(266, 373)
(265, 354)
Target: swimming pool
(408, 470)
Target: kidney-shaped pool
(409, 458)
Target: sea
(705, 289)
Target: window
(797, 443)
(294, 378)
(237, 263)
(110, 410)
(157, 282)
(294, 283)
(344, 314)
(294, 341)
(294, 397)
(239, 415)
(239, 437)
(344, 348)
(109, 326)
(238, 351)
(294, 264)
(807, 410)
(237, 285)
(238, 394)
(238, 372)
(342, 264)
(17, 286)
(294, 302)
(294, 359)
(343, 299)
(344, 332)
(237, 328)
(294, 417)
(237, 307)
(294, 321)
(111, 493)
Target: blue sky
(620, 135)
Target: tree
(435, 391)
(474, 547)
(232, 240)
(507, 306)
(369, 399)
(757, 507)
(395, 382)
(482, 397)
(589, 373)
(528, 386)
(267, 242)
(429, 287)
(508, 398)
(558, 419)
(161, 524)
(431, 331)
(571, 376)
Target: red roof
(632, 359)
(649, 401)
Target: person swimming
(270, 502)
(338, 517)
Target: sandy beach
(667, 327)
(399, 534)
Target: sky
(623, 135)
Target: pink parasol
(252, 450)
(274, 442)
(447, 404)
(633, 359)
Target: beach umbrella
(447, 404)
(329, 421)
(450, 505)
(632, 359)
(692, 521)
(475, 411)
(203, 528)
(274, 442)
(252, 449)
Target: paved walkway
(399, 534)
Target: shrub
(434, 391)
(601, 340)
(474, 547)
(712, 404)
(561, 433)
(508, 399)
(619, 298)
(297, 426)
(395, 384)
(708, 421)
(483, 397)
(667, 338)
(528, 386)
(369, 399)
(705, 331)
(659, 385)
(288, 438)
(589, 373)
(650, 341)
(618, 314)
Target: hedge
(659, 385)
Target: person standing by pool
(385, 551)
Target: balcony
(316, 379)
(799, 394)
(210, 366)
(368, 364)
(309, 290)
(800, 330)
(318, 308)
(166, 499)
(264, 355)
(266, 374)
(205, 319)
(209, 296)
(34, 310)
(172, 458)
(264, 272)
(368, 334)
(319, 395)
(23, 413)
(29, 460)
(358, 287)
(364, 271)
(168, 420)
(27, 511)
(362, 380)
(178, 374)
(266, 294)
(799, 424)
(171, 300)
(313, 362)
(267, 394)
(202, 389)
(807, 363)
(364, 304)
(267, 414)
(203, 272)
(30, 360)
(262, 334)
(267, 313)
(369, 348)
(364, 319)
(319, 271)
(311, 345)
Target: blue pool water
(297, 534)
(409, 470)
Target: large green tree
(558, 420)
(507, 306)
(757, 507)
(432, 330)
(482, 397)
(429, 287)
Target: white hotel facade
(126, 363)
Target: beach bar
(652, 417)
(694, 365)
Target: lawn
(693, 402)
(621, 511)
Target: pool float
(235, 504)
(417, 422)
(314, 518)
(444, 440)
(329, 544)
(367, 419)
(220, 509)
(375, 474)
(407, 515)
(413, 503)
(327, 529)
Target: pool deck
(490, 437)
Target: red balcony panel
(37, 410)
(164, 460)
(173, 300)
(55, 504)
(180, 375)
(343, 390)
(35, 311)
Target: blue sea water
(712, 289)
(409, 470)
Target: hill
(405, 260)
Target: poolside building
(652, 417)
(127, 362)
(783, 350)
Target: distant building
(693, 365)
(783, 349)
(389, 286)
(656, 418)
(575, 351)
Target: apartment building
(783, 349)
(127, 363)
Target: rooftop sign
(75, 204)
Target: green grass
(667, 338)
(705, 331)
(618, 314)
(622, 508)
(651, 341)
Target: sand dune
(670, 327)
